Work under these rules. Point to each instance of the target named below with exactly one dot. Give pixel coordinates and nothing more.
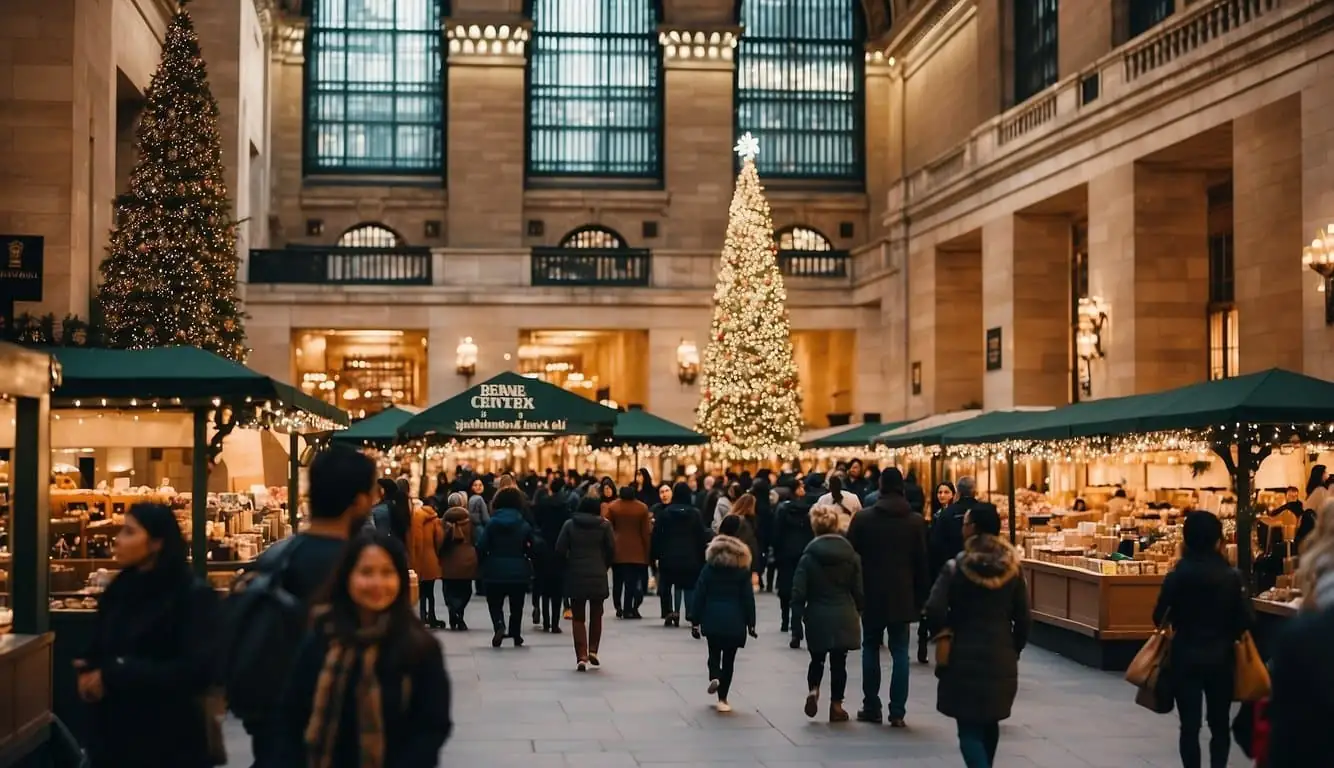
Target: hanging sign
(501, 408)
(21, 267)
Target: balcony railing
(591, 266)
(305, 265)
(813, 263)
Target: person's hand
(694, 631)
(90, 686)
(751, 631)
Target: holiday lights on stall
(169, 277)
(749, 397)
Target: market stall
(637, 434)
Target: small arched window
(799, 238)
(593, 237)
(370, 236)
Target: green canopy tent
(639, 427)
(510, 405)
(855, 436)
(379, 430)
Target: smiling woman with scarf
(369, 688)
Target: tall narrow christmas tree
(750, 403)
(170, 273)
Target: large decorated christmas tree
(750, 403)
(170, 273)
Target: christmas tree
(750, 404)
(170, 273)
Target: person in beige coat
(458, 559)
(425, 534)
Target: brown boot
(836, 712)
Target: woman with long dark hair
(369, 686)
(942, 498)
(1316, 488)
(150, 659)
(393, 514)
(677, 547)
(645, 489)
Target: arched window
(799, 87)
(593, 237)
(374, 98)
(595, 89)
(799, 238)
(370, 236)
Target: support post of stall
(199, 496)
(30, 515)
(294, 480)
(1241, 482)
(425, 485)
(1009, 469)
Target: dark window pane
(594, 89)
(374, 94)
(1146, 14)
(1034, 47)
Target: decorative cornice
(289, 40)
(699, 48)
(266, 11)
(487, 44)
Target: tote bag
(1144, 667)
(1251, 681)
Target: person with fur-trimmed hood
(722, 608)
(981, 598)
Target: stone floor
(528, 708)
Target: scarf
(331, 693)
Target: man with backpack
(269, 609)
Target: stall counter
(1098, 620)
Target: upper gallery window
(1147, 14)
(592, 236)
(799, 87)
(595, 89)
(369, 236)
(374, 94)
(1035, 64)
(798, 238)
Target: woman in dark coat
(458, 559)
(552, 513)
(723, 606)
(645, 489)
(827, 596)
(150, 658)
(792, 532)
(981, 597)
(586, 546)
(368, 688)
(678, 550)
(505, 550)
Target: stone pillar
(286, 129)
(697, 133)
(884, 100)
(1268, 235)
(1317, 166)
(946, 338)
(1026, 262)
(1149, 264)
(486, 134)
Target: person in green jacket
(827, 596)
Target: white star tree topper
(747, 146)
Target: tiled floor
(528, 708)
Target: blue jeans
(872, 631)
(977, 743)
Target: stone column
(1149, 264)
(286, 128)
(1268, 235)
(486, 134)
(1317, 166)
(1026, 262)
(946, 337)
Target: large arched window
(799, 87)
(595, 89)
(799, 238)
(370, 236)
(593, 236)
(374, 95)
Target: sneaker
(897, 722)
(593, 659)
(714, 685)
(582, 666)
(837, 714)
(869, 717)
(812, 704)
(723, 707)
(497, 638)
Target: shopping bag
(1150, 657)
(943, 641)
(1251, 681)
(1154, 696)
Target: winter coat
(747, 535)
(633, 527)
(424, 539)
(678, 545)
(891, 540)
(552, 512)
(947, 533)
(1205, 601)
(458, 559)
(723, 604)
(587, 547)
(721, 510)
(981, 597)
(152, 640)
(827, 595)
(1302, 702)
(915, 496)
(479, 512)
(792, 532)
(506, 549)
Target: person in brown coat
(425, 534)
(633, 526)
(458, 559)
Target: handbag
(1251, 681)
(943, 640)
(1144, 667)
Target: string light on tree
(170, 273)
(750, 402)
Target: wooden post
(294, 480)
(199, 496)
(1009, 468)
(30, 516)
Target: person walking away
(1204, 600)
(586, 546)
(912, 491)
(677, 549)
(425, 538)
(744, 509)
(369, 687)
(385, 516)
(631, 524)
(947, 528)
(505, 552)
(479, 510)
(765, 503)
(723, 606)
(846, 503)
(980, 596)
(261, 647)
(827, 598)
(552, 513)
(458, 559)
(723, 508)
(150, 660)
(792, 532)
(891, 540)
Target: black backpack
(264, 626)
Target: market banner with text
(511, 405)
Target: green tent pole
(30, 516)
(294, 480)
(199, 496)
(1009, 468)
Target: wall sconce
(1319, 255)
(687, 362)
(465, 358)
(1091, 317)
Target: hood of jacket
(679, 512)
(988, 561)
(508, 517)
(455, 515)
(585, 520)
(727, 552)
(831, 549)
(798, 510)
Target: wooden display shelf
(1098, 620)
(25, 695)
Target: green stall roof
(639, 427)
(510, 405)
(379, 429)
(856, 436)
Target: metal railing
(307, 265)
(592, 266)
(813, 263)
